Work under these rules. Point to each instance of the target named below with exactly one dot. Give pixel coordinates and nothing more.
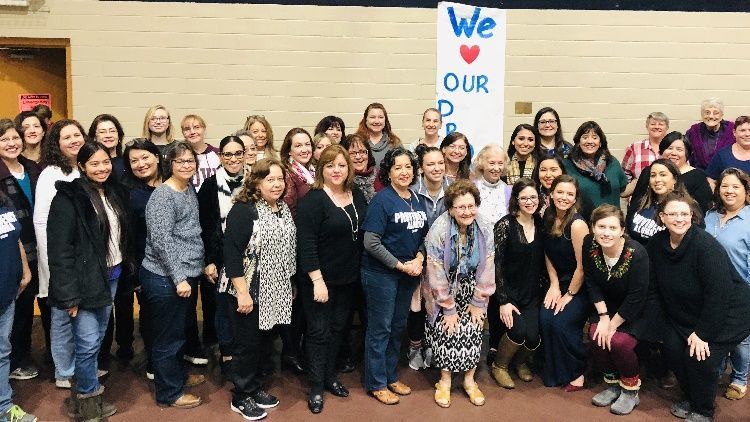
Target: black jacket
(77, 249)
(208, 209)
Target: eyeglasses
(189, 162)
(229, 155)
(454, 147)
(547, 122)
(8, 139)
(159, 118)
(674, 215)
(464, 208)
(533, 198)
(356, 153)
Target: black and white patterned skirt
(460, 350)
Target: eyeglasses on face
(159, 118)
(181, 162)
(230, 155)
(547, 122)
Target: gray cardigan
(174, 247)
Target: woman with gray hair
(711, 134)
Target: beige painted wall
(295, 64)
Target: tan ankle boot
(520, 365)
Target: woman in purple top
(711, 134)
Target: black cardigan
(699, 288)
(518, 262)
(77, 250)
(324, 237)
(627, 290)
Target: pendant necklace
(354, 226)
(411, 208)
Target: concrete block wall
(296, 64)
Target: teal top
(590, 188)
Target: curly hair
(20, 117)
(459, 188)
(390, 159)
(51, 153)
(250, 191)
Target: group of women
(292, 243)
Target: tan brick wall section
(296, 64)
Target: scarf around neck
(595, 171)
(225, 193)
(302, 172)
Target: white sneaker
(63, 384)
(196, 360)
(101, 372)
(150, 375)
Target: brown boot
(505, 353)
(520, 363)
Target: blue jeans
(63, 347)
(388, 296)
(168, 313)
(6, 325)
(740, 358)
(89, 327)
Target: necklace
(411, 208)
(354, 224)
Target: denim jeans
(168, 314)
(63, 347)
(740, 358)
(6, 325)
(89, 326)
(388, 295)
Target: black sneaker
(248, 409)
(265, 400)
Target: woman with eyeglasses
(460, 279)
(107, 130)
(729, 223)
(32, 129)
(261, 131)
(566, 304)
(158, 128)
(87, 248)
(519, 260)
(65, 139)
(215, 199)
(172, 264)
(457, 152)
(522, 153)
(363, 162)
(142, 176)
(705, 300)
(18, 180)
(552, 141)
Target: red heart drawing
(469, 53)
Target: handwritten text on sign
(471, 71)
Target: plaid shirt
(638, 156)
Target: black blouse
(518, 261)
(325, 240)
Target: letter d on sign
(448, 105)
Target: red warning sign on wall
(28, 101)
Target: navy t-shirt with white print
(10, 256)
(402, 224)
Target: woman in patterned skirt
(460, 279)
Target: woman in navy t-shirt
(395, 227)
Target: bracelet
(570, 293)
(603, 314)
(316, 279)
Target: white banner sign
(471, 71)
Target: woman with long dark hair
(566, 304)
(457, 152)
(87, 250)
(522, 152)
(552, 141)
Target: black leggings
(525, 326)
(415, 326)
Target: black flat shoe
(337, 389)
(346, 366)
(315, 403)
(293, 364)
